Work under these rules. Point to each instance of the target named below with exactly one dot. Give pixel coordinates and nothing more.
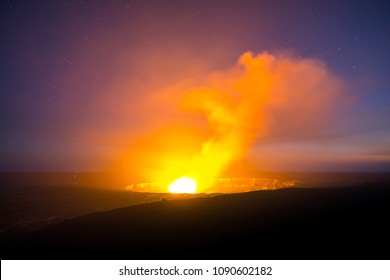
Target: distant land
(337, 221)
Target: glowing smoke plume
(262, 95)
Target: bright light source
(183, 185)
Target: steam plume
(262, 95)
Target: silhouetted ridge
(347, 223)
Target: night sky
(77, 77)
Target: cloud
(214, 121)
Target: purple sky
(77, 77)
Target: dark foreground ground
(297, 223)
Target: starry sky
(77, 77)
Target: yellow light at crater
(183, 185)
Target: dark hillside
(346, 223)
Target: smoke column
(218, 120)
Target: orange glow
(183, 185)
(200, 129)
(220, 185)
